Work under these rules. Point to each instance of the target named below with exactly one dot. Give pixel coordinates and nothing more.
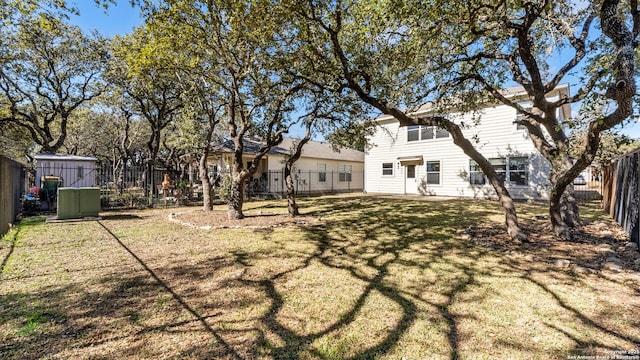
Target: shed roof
(63, 157)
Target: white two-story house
(424, 160)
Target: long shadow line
(583, 318)
(177, 297)
(11, 249)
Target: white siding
(74, 173)
(498, 137)
(308, 178)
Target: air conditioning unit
(77, 203)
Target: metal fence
(128, 186)
(12, 187)
(309, 182)
(131, 186)
(621, 197)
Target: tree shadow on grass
(369, 223)
(399, 258)
(368, 260)
(227, 348)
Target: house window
(426, 132)
(411, 171)
(344, 173)
(387, 169)
(413, 133)
(322, 172)
(518, 170)
(512, 170)
(476, 176)
(421, 132)
(80, 172)
(441, 133)
(433, 172)
(500, 166)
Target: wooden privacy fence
(620, 195)
(12, 184)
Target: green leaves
(48, 70)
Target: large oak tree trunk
(236, 198)
(292, 206)
(207, 204)
(564, 212)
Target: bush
(224, 190)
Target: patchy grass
(368, 278)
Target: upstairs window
(421, 132)
(413, 133)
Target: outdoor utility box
(77, 203)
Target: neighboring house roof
(64, 157)
(312, 149)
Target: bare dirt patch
(596, 245)
(217, 219)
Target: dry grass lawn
(359, 278)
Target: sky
(121, 19)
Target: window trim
(322, 172)
(388, 168)
(413, 170)
(507, 171)
(343, 172)
(427, 172)
(411, 129)
(422, 129)
(526, 171)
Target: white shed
(73, 171)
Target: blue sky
(121, 18)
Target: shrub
(223, 191)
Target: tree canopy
(255, 68)
(49, 69)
